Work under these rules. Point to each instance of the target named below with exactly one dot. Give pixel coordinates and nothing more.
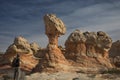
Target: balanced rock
(53, 57)
(89, 49)
(54, 27)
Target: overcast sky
(25, 17)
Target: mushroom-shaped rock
(53, 57)
(54, 27)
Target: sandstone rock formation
(22, 47)
(115, 53)
(84, 51)
(35, 47)
(89, 49)
(115, 49)
(54, 27)
(53, 57)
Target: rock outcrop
(35, 47)
(115, 53)
(53, 57)
(115, 49)
(22, 47)
(89, 49)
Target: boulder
(54, 25)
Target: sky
(25, 18)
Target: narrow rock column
(53, 39)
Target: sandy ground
(60, 76)
(6, 73)
(72, 76)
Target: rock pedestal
(53, 57)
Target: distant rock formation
(22, 47)
(115, 53)
(53, 57)
(89, 49)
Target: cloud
(25, 17)
(103, 16)
(97, 17)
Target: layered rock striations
(22, 47)
(89, 49)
